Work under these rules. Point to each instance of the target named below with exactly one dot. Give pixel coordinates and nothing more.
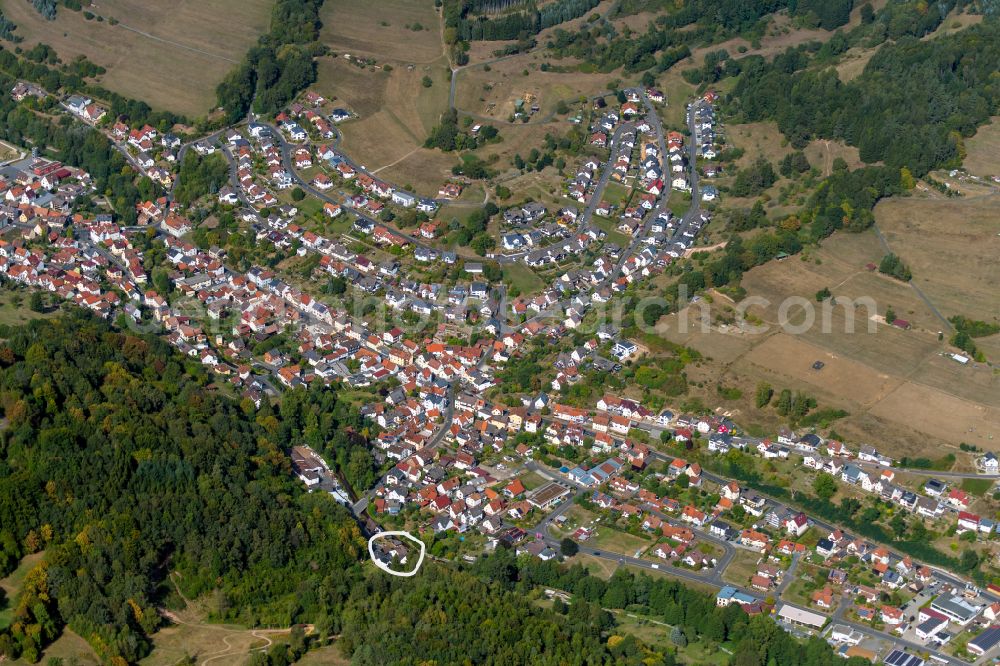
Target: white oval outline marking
(385, 567)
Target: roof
(986, 640)
(900, 658)
(801, 616)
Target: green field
(521, 279)
(977, 486)
(608, 538)
(608, 225)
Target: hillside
(169, 55)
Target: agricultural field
(900, 392)
(170, 55)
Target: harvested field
(170, 55)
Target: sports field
(170, 55)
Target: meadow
(170, 55)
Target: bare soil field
(899, 390)
(398, 30)
(983, 150)
(170, 55)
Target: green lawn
(609, 226)
(657, 634)
(519, 277)
(617, 541)
(977, 486)
(679, 202)
(616, 193)
(14, 309)
(532, 480)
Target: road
(359, 507)
(606, 170)
(286, 149)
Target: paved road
(606, 171)
(361, 505)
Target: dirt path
(392, 164)
(228, 634)
(177, 44)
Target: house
(797, 524)
(624, 349)
(989, 463)
(754, 540)
(891, 615)
(823, 598)
(404, 199)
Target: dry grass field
(493, 93)
(951, 247)
(397, 30)
(765, 139)
(70, 649)
(853, 62)
(983, 150)
(900, 392)
(187, 49)
(396, 112)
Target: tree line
(913, 105)
(516, 25)
(279, 66)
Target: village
(428, 333)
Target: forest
(279, 67)
(122, 462)
(483, 616)
(515, 25)
(200, 175)
(913, 105)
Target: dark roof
(987, 640)
(900, 658)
